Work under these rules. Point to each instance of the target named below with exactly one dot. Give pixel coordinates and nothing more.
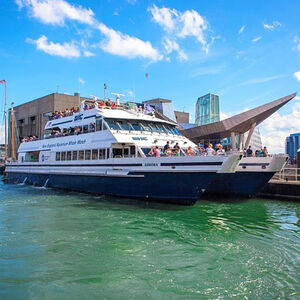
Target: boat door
(123, 151)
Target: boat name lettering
(70, 143)
(151, 164)
(78, 117)
(137, 138)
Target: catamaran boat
(105, 151)
(252, 174)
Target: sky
(247, 52)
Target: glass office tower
(207, 110)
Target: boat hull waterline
(173, 180)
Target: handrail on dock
(287, 174)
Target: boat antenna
(105, 88)
(118, 97)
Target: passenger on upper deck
(189, 151)
(209, 150)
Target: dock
(284, 190)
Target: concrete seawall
(285, 190)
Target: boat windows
(101, 153)
(113, 124)
(85, 128)
(63, 156)
(32, 156)
(124, 125)
(74, 155)
(98, 124)
(136, 126)
(57, 156)
(132, 151)
(87, 154)
(95, 154)
(146, 151)
(120, 152)
(69, 155)
(92, 127)
(81, 154)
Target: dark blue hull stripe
(193, 164)
(244, 184)
(179, 188)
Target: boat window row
(113, 124)
(131, 125)
(90, 154)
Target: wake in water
(24, 181)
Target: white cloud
(193, 25)
(55, 12)
(87, 53)
(181, 24)
(297, 75)
(256, 39)
(260, 80)
(132, 2)
(171, 46)
(67, 50)
(241, 30)
(124, 45)
(277, 127)
(272, 26)
(164, 16)
(224, 115)
(207, 70)
(297, 41)
(130, 93)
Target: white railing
(288, 174)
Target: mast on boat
(12, 126)
(5, 117)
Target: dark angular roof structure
(238, 124)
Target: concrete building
(164, 106)
(292, 144)
(207, 110)
(31, 117)
(182, 117)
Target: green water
(60, 245)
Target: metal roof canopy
(237, 124)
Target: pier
(284, 185)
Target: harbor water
(62, 245)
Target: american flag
(3, 81)
(147, 75)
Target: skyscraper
(292, 144)
(207, 110)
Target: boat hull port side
(252, 174)
(176, 188)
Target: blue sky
(247, 52)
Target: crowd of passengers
(167, 150)
(71, 111)
(29, 138)
(72, 131)
(263, 152)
